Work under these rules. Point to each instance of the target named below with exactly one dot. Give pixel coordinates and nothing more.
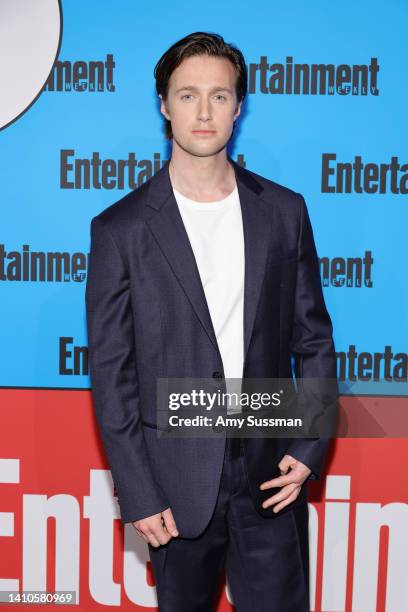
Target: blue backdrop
(297, 139)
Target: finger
(140, 534)
(151, 537)
(283, 494)
(157, 535)
(279, 496)
(287, 501)
(280, 481)
(169, 522)
(285, 464)
(161, 534)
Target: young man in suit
(207, 270)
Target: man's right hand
(157, 529)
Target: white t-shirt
(216, 236)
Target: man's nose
(204, 110)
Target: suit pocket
(154, 426)
(147, 424)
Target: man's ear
(163, 108)
(238, 110)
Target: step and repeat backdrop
(326, 115)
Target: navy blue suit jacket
(147, 317)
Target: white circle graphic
(30, 36)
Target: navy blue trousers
(266, 559)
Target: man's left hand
(291, 482)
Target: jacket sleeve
(312, 342)
(114, 378)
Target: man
(207, 270)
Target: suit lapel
(168, 228)
(256, 227)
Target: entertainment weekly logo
(28, 265)
(339, 518)
(363, 177)
(291, 78)
(347, 271)
(379, 366)
(80, 75)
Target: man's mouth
(203, 131)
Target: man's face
(202, 104)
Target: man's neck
(204, 179)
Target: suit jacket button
(217, 374)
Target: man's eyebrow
(193, 88)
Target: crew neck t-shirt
(216, 236)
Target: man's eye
(186, 96)
(221, 96)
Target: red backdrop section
(52, 454)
